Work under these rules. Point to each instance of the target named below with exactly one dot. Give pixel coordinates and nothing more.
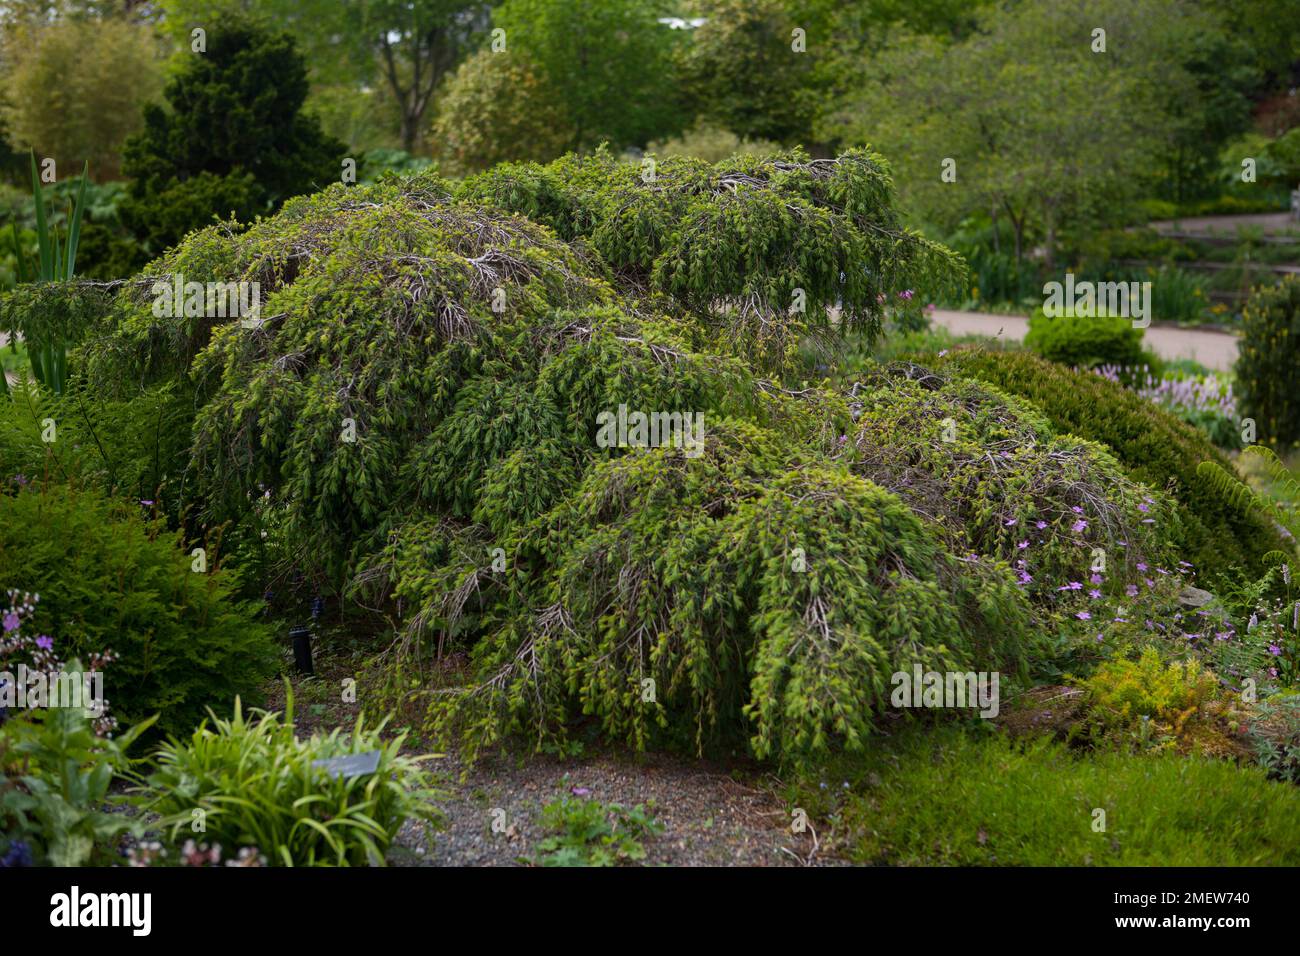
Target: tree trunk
(409, 130)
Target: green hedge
(1153, 446)
(1087, 341)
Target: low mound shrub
(676, 595)
(1268, 362)
(1152, 701)
(1088, 341)
(1153, 447)
(424, 415)
(109, 578)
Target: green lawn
(949, 797)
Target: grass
(953, 797)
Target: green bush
(1087, 341)
(257, 786)
(55, 774)
(1153, 446)
(1159, 695)
(250, 85)
(1268, 362)
(951, 799)
(1001, 482)
(764, 583)
(111, 579)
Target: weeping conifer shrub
(420, 402)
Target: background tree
(1042, 130)
(497, 108)
(610, 63)
(742, 73)
(59, 100)
(234, 139)
(373, 63)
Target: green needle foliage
(420, 403)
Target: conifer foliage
(421, 398)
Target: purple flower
(1094, 594)
(1083, 616)
(1141, 566)
(1275, 650)
(1131, 590)
(580, 791)
(45, 643)
(1040, 525)
(1096, 579)
(1010, 522)
(1022, 545)
(1079, 525)
(1077, 510)
(1144, 508)
(11, 621)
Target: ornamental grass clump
(252, 782)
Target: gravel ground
(711, 814)
(709, 817)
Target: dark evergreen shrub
(234, 139)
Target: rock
(1194, 597)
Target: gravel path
(1267, 222)
(710, 817)
(1214, 350)
(711, 814)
